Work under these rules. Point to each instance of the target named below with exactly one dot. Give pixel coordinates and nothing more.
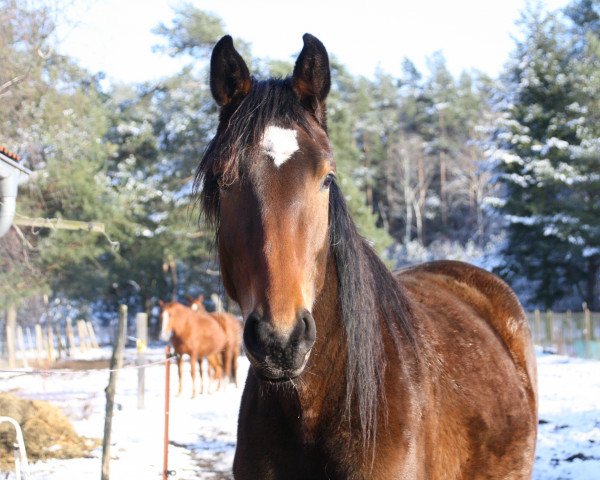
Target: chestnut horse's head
(167, 317)
(265, 182)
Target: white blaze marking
(279, 143)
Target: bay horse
(195, 334)
(233, 332)
(356, 372)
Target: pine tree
(55, 118)
(550, 179)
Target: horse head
(265, 181)
(167, 317)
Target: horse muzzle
(278, 357)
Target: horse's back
(489, 296)
(481, 361)
(210, 337)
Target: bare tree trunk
(407, 198)
(421, 200)
(443, 194)
(442, 158)
(419, 222)
(368, 186)
(388, 192)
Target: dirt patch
(82, 364)
(47, 432)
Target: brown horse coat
(464, 405)
(357, 373)
(233, 330)
(195, 334)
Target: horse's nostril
(308, 322)
(251, 334)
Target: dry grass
(48, 433)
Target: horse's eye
(328, 180)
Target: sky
(114, 36)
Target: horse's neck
(180, 324)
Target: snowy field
(203, 431)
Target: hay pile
(48, 433)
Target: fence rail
(576, 334)
(45, 344)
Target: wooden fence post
(92, 335)
(21, 343)
(116, 362)
(538, 326)
(50, 344)
(83, 345)
(217, 301)
(560, 340)
(59, 342)
(569, 329)
(587, 331)
(141, 325)
(11, 327)
(549, 328)
(70, 337)
(39, 341)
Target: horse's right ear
(229, 76)
(311, 79)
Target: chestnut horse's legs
(193, 361)
(179, 371)
(227, 356)
(214, 369)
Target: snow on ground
(203, 430)
(568, 444)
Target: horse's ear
(189, 299)
(312, 78)
(229, 76)
(200, 298)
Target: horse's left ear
(229, 76)
(312, 78)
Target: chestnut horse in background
(357, 372)
(195, 334)
(233, 330)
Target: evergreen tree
(548, 164)
(55, 118)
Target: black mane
(371, 301)
(372, 305)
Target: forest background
(502, 172)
